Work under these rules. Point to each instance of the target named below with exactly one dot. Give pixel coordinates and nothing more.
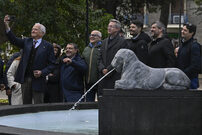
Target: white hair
(42, 28)
(99, 33)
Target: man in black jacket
(109, 48)
(188, 58)
(139, 42)
(161, 50)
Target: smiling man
(91, 54)
(139, 41)
(188, 57)
(37, 62)
(73, 68)
(161, 50)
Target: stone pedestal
(150, 112)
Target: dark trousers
(29, 95)
(72, 96)
(90, 97)
(52, 93)
(194, 83)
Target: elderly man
(73, 68)
(109, 48)
(90, 54)
(161, 50)
(37, 62)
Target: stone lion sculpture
(135, 74)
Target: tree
(125, 10)
(64, 20)
(199, 9)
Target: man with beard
(161, 50)
(139, 42)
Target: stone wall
(150, 112)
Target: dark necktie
(34, 43)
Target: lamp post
(87, 23)
(180, 21)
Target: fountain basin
(10, 110)
(150, 112)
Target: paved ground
(3, 95)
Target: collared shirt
(136, 36)
(38, 42)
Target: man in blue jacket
(72, 71)
(37, 62)
(188, 57)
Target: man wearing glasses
(188, 56)
(91, 54)
(109, 48)
(73, 68)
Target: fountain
(39, 109)
(131, 111)
(86, 124)
(149, 101)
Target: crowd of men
(38, 73)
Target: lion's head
(123, 56)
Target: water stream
(83, 96)
(77, 121)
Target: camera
(11, 18)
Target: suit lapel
(40, 49)
(112, 42)
(105, 50)
(29, 46)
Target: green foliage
(199, 8)
(126, 10)
(198, 2)
(99, 21)
(65, 20)
(3, 101)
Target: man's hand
(50, 74)
(67, 60)
(2, 87)
(13, 87)
(37, 73)
(104, 71)
(8, 92)
(6, 22)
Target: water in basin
(74, 121)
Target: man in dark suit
(109, 48)
(37, 61)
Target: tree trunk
(3, 37)
(164, 13)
